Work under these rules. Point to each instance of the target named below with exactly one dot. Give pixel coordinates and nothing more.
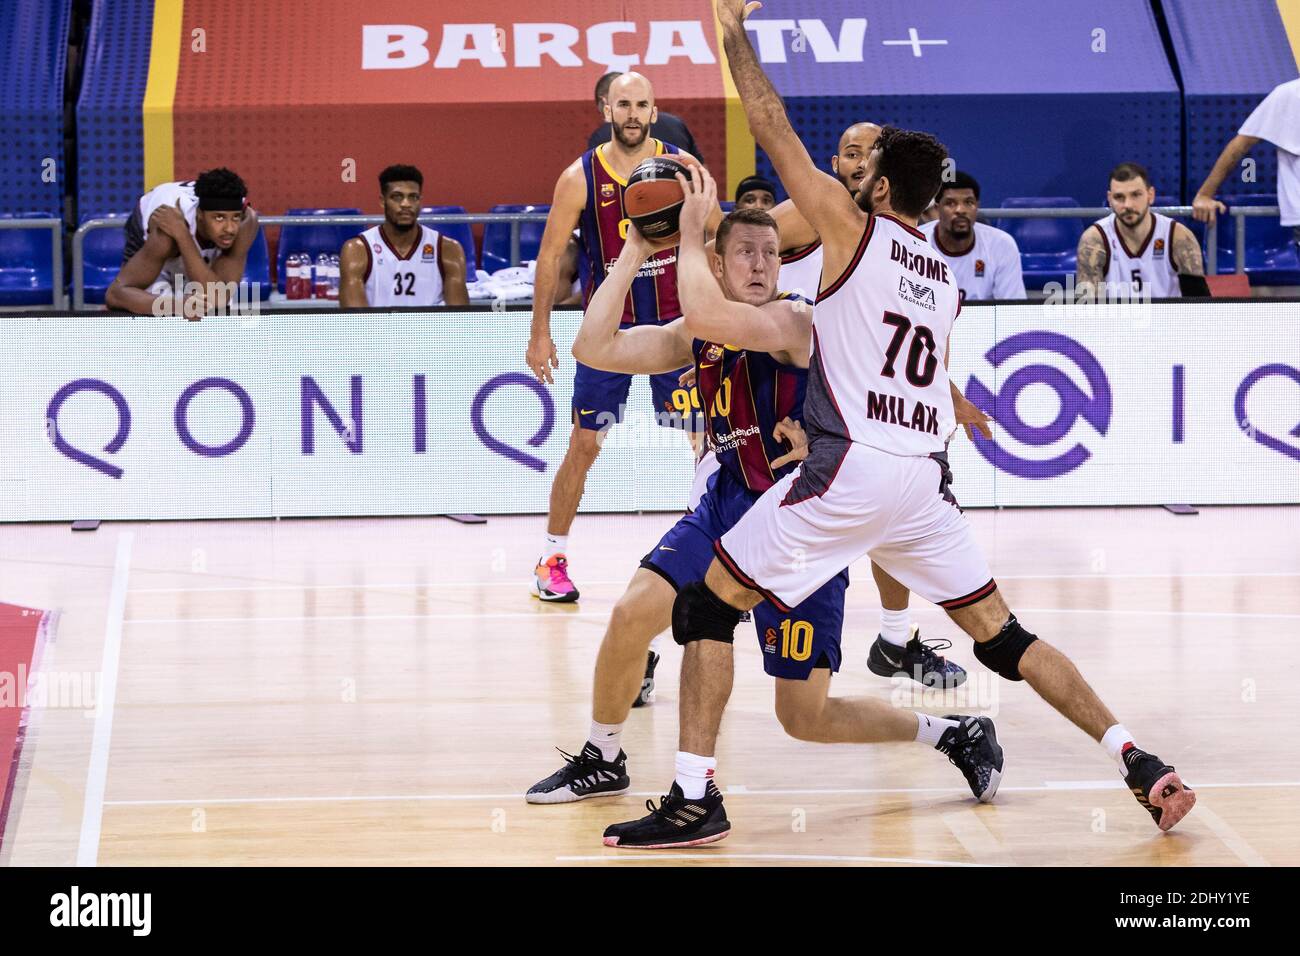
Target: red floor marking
(22, 631)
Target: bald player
(590, 192)
(898, 648)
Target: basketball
(653, 198)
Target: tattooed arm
(1186, 252)
(1093, 259)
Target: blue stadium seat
(26, 263)
(460, 231)
(102, 256)
(496, 238)
(1048, 247)
(257, 267)
(313, 239)
(728, 205)
(1271, 257)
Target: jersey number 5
(409, 278)
(921, 360)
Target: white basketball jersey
(172, 194)
(393, 280)
(1149, 270)
(801, 272)
(989, 269)
(880, 335)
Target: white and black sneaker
(676, 822)
(972, 747)
(917, 660)
(647, 694)
(586, 775)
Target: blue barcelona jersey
(744, 395)
(603, 227)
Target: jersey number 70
(921, 360)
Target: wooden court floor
(383, 691)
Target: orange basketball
(653, 197)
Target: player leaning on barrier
(1276, 119)
(202, 229)
(877, 411)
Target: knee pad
(1002, 654)
(700, 615)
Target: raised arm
(352, 274)
(566, 208)
(452, 262)
(782, 327)
(641, 348)
(1204, 206)
(795, 231)
(821, 198)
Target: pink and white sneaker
(552, 581)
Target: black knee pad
(700, 615)
(1002, 654)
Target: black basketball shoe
(676, 822)
(647, 694)
(916, 660)
(586, 775)
(972, 747)
(1157, 787)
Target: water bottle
(334, 278)
(291, 276)
(321, 287)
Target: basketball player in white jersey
(201, 229)
(401, 262)
(898, 647)
(1134, 250)
(878, 408)
(984, 260)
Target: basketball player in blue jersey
(751, 376)
(590, 191)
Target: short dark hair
(745, 217)
(1126, 171)
(399, 173)
(912, 161)
(604, 83)
(220, 183)
(750, 183)
(962, 180)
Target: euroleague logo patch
(769, 641)
(1093, 405)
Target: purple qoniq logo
(1094, 408)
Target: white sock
(554, 544)
(929, 728)
(896, 626)
(1114, 740)
(694, 773)
(605, 737)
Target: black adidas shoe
(676, 822)
(583, 776)
(1157, 787)
(916, 660)
(647, 694)
(972, 747)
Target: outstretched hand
(736, 10)
(969, 416)
(792, 433)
